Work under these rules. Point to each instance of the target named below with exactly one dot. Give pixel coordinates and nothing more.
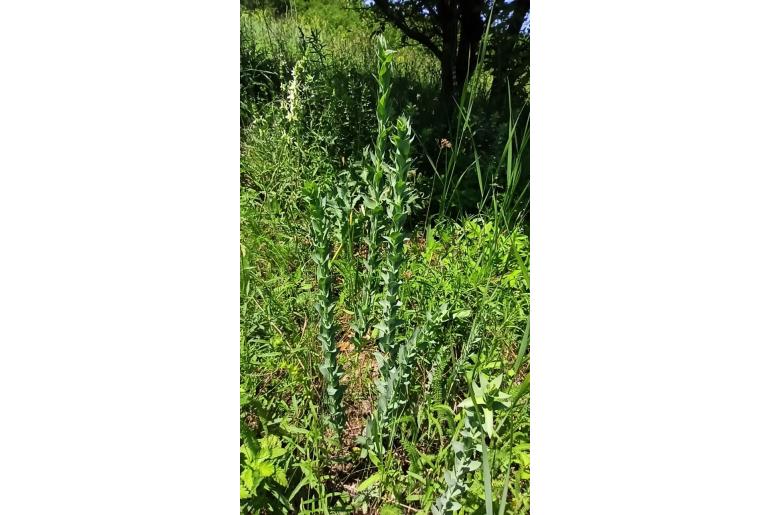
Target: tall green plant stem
(394, 238)
(373, 179)
(321, 229)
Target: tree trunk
(505, 47)
(447, 15)
(471, 30)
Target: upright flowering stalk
(477, 417)
(395, 382)
(292, 103)
(391, 368)
(321, 230)
(373, 202)
(394, 238)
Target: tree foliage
(453, 29)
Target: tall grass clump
(484, 157)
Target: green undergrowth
(471, 266)
(384, 329)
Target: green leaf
(522, 390)
(264, 469)
(486, 473)
(522, 349)
(295, 430)
(465, 313)
(467, 403)
(416, 476)
(270, 447)
(390, 509)
(374, 459)
(249, 452)
(247, 481)
(488, 425)
(280, 478)
(506, 484)
(369, 482)
(495, 383)
(312, 479)
(478, 394)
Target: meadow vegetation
(384, 275)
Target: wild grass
(384, 324)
